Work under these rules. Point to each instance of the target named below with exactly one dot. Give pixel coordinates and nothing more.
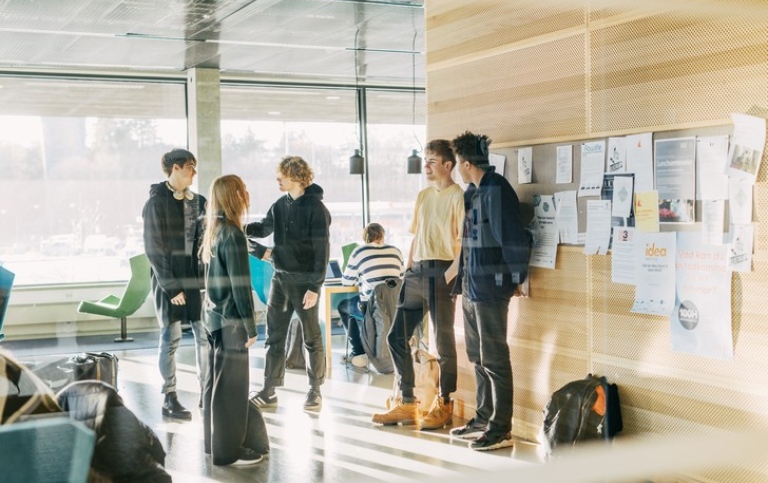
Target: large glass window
(77, 158)
(260, 125)
(392, 136)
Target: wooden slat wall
(540, 73)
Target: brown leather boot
(403, 413)
(439, 415)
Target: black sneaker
(263, 399)
(247, 457)
(314, 400)
(470, 431)
(488, 442)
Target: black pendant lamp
(414, 163)
(356, 163)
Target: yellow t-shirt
(437, 223)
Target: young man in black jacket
(173, 227)
(494, 260)
(300, 222)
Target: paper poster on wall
(640, 160)
(545, 248)
(524, 165)
(598, 227)
(740, 244)
(567, 216)
(675, 164)
(617, 155)
(740, 200)
(700, 323)
(623, 256)
(592, 164)
(711, 156)
(712, 219)
(654, 273)
(498, 161)
(564, 164)
(746, 151)
(647, 211)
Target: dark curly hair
(442, 148)
(473, 148)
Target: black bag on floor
(587, 409)
(95, 366)
(294, 346)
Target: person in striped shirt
(368, 266)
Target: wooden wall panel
(674, 68)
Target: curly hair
(295, 168)
(473, 148)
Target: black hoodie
(301, 229)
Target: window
(77, 158)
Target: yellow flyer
(647, 211)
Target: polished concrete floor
(336, 444)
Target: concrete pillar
(204, 104)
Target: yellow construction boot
(439, 415)
(403, 413)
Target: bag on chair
(294, 346)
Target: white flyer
(712, 219)
(741, 241)
(567, 216)
(739, 201)
(623, 255)
(617, 155)
(564, 164)
(746, 151)
(545, 248)
(711, 156)
(524, 165)
(655, 273)
(592, 164)
(598, 227)
(640, 160)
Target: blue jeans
(286, 295)
(485, 333)
(170, 336)
(351, 316)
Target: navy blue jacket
(495, 246)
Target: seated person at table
(368, 266)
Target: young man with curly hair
(300, 222)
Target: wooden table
(326, 308)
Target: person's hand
(251, 341)
(180, 299)
(267, 254)
(310, 299)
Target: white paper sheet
(675, 165)
(498, 161)
(700, 323)
(712, 218)
(567, 216)
(564, 164)
(592, 163)
(622, 196)
(741, 241)
(739, 201)
(598, 227)
(545, 249)
(617, 155)
(640, 160)
(524, 165)
(746, 151)
(623, 255)
(655, 273)
(711, 157)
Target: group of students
(470, 242)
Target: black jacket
(173, 230)
(301, 235)
(228, 282)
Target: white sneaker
(360, 361)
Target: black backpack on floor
(587, 409)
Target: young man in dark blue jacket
(300, 222)
(494, 260)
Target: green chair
(346, 251)
(133, 297)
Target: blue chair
(6, 282)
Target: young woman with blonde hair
(230, 323)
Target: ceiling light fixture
(414, 161)
(357, 161)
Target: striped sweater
(371, 264)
